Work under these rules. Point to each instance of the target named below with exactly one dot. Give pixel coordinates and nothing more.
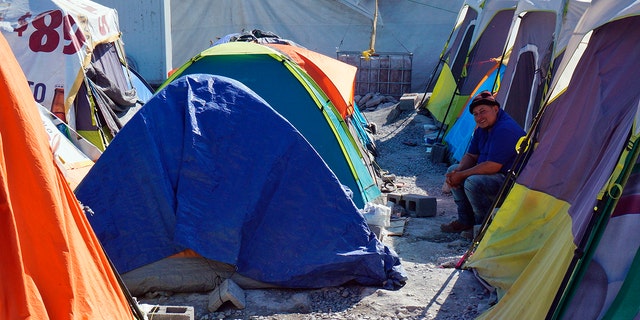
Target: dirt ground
(434, 290)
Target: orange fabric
(172, 71)
(188, 253)
(336, 78)
(52, 264)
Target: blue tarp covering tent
(208, 165)
(296, 96)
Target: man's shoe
(467, 234)
(455, 227)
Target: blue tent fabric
(459, 137)
(209, 165)
(143, 88)
(360, 123)
(226, 38)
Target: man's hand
(469, 167)
(454, 179)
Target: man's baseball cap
(483, 98)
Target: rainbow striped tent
(296, 96)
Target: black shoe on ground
(455, 227)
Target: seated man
(476, 180)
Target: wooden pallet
(397, 225)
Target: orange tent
(336, 78)
(52, 264)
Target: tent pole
(372, 42)
(435, 70)
(426, 89)
(446, 114)
(133, 304)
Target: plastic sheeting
(325, 26)
(208, 165)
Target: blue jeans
(475, 199)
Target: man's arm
(487, 167)
(468, 160)
(468, 167)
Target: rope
(432, 6)
(344, 35)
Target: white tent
(58, 43)
(73, 30)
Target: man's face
(485, 115)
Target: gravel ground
(434, 290)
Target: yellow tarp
(441, 96)
(527, 248)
